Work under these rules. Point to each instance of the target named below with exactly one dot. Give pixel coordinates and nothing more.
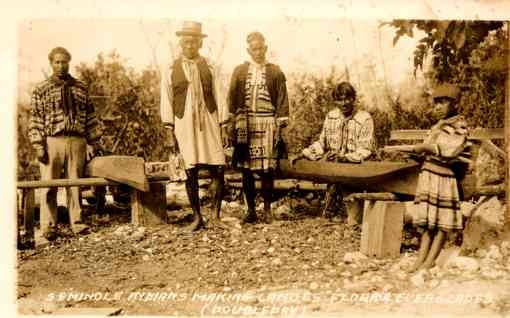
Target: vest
(272, 82)
(180, 87)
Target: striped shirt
(352, 137)
(48, 117)
(449, 138)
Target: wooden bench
(148, 197)
(384, 215)
(147, 207)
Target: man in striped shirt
(347, 136)
(63, 130)
(258, 100)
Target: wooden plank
(366, 226)
(475, 134)
(65, 183)
(123, 169)
(379, 196)
(354, 212)
(28, 212)
(136, 207)
(494, 150)
(393, 227)
(149, 208)
(383, 222)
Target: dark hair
(59, 50)
(256, 35)
(345, 89)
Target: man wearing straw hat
(192, 112)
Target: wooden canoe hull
(371, 176)
(366, 176)
(123, 169)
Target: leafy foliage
(449, 42)
(471, 54)
(310, 99)
(127, 104)
(28, 168)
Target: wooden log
(379, 196)
(383, 223)
(149, 208)
(420, 134)
(159, 170)
(402, 148)
(491, 190)
(286, 184)
(28, 212)
(64, 183)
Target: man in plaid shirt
(63, 130)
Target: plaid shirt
(47, 116)
(352, 137)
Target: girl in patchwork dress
(437, 199)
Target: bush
(127, 104)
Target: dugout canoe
(347, 173)
(123, 169)
(372, 176)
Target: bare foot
(427, 265)
(196, 225)
(250, 218)
(415, 267)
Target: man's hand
(227, 135)
(42, 155)
(352, 157)
(91, 151)
(171, 137)
(424, 148)
(331, 156)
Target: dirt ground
(304, 266)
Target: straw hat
(191, 28)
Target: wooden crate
(383, 223)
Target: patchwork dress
(437, 197)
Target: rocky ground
(299, 264)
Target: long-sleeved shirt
(246, 77)
(198, 132)
(350, 137)
(49, 118)
(449, 139)
(167, 96)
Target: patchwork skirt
(260, 133)
(437, 202)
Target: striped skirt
(437, 202)
(261, 140)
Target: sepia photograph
(262, 161)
